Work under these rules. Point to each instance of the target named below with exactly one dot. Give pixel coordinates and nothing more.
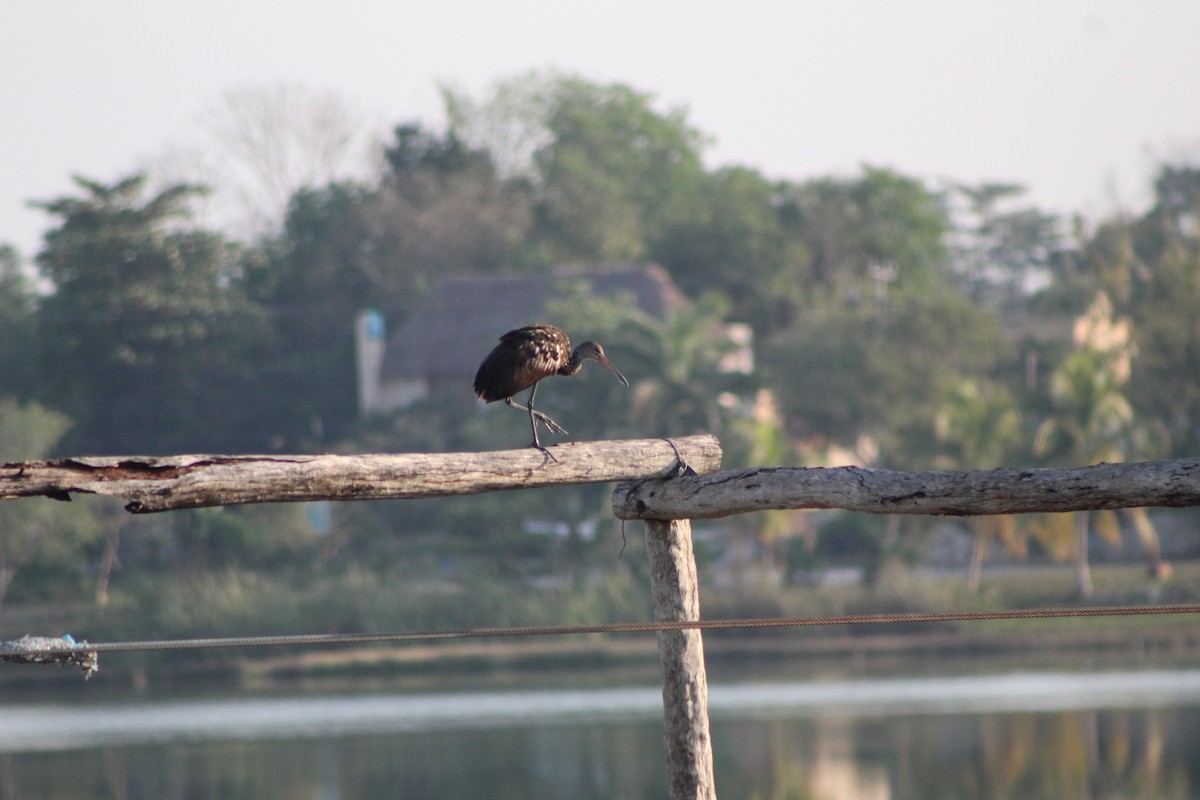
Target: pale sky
(1078, 100)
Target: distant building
(461, 319)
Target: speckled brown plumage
(526, 356)
(522, 358)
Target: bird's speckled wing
(522, 358)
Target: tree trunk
(108, 562)
(1148, 537)
(1083, 571)
(7, 573)
(978, 552)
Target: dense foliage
(899, 322)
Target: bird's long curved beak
(603, 359)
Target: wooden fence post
(685, 685)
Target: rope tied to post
(61, 650)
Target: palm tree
(979, 430)
(1093, 421)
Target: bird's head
(594, 351)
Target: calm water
(1020, 736)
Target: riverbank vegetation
(895, 322)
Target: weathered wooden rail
(1170, 484)
(167, 483)
(665, 482)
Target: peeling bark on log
(150, 483)
(1001, 491)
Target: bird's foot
(551, 425)
(547, 453)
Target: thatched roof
(462, 318)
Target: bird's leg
(535, 417)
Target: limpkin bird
(523, 358)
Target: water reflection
(1035, 755)
(613, 760)
(1120, 735)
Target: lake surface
(1047, 735)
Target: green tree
(324, 268)
(610, 173)
(864, 233)
(18, 327)
(1149, 266)
(1093, 421)
(1001, 254)
(743, 240)
(147, 336)
(37, 532)
(441, 209)
(980, 427)
(1161, 267)
(448, 210)
(1166, 381)
(850, 376)
(686, 386)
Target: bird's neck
(573, 365)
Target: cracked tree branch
(1001, 491)
(149, 483)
